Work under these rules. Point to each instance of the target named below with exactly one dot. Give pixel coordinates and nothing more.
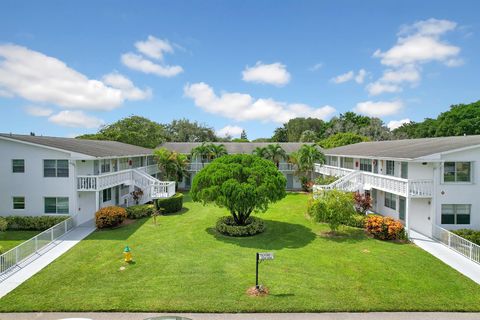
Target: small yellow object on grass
(127, 254)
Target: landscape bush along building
(170, 205)
(109, 217)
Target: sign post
(260, 256)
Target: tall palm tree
(202, 151)
(260, 152)
(275, 153)
(172, 165)
(306, 157)
(217, 151)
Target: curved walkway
(47, 255)
(455, 260)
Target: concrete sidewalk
(448, 256)
(246, 316)
(46, 256)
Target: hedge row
(170, 205)
(140, 211)
(227, 226)
(36, 223)
(469, 234)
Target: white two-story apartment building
(64, 176)
(196, 164)
(422, 182)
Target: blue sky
(67, 67)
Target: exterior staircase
(151, 186)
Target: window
(18, 203)
(55, 168)
(124, 163)
(456, 213)
(366, 165)
(107, 194)
(390, 200)
(56, 205)
(105, 165)
(346, 163)
(137, 162)
(18, 165)
(456, 172)
(390, 168)
(150, 160)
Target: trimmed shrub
(469, 234)
(170, 205)
(140, 211)
(3, 224)
(333, 207)
(228, 227)
(109, 217)
(357, 221)
(384, 228)
(35, 223)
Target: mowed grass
(182, 264)
(10, 239)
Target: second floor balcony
(416, 188)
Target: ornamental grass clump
(385, 228)
(109, 217)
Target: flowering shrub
(363, 202)
(384, 228)
(110, 217)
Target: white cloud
(37, 77)
(379, 108)
(139, 63)
(343, 77)
(316, 67)
(275, 73)
(394, 124)
(75, 119)
(378, 87)
(240, 106)
(231, 131)
(417, 44)
(38, 111)
(360, 77)
(154, 48)
(126, 86)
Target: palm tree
(202, 151)
(306, 157)
(217, 151)
(172, 165)
(260, 152)
(275, 153)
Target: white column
(407, 211)
(97, 200)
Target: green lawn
(183, 265)
(10, 239)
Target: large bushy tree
(184, 130)
(241, 183)
(134, 130)
(341, 139)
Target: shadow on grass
(278, 235)
(182, 211)
(348, 235)
(121, 233)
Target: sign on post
(260, 257)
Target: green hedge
(3, 225)
(469, 234)
(227, 226)
(140, 211)
(170, 205)
(37, 223)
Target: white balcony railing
(457, 243)
(422, 188)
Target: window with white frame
(124, 163)
(346, 163)
(18, 165)
(56, 205)
(107, 194)
(366, 165)
(390, 200)
(456, 213)
(390, 168)
(18, 203)
(457, 172)
(55, 168)
(150, 160)
(105, 165)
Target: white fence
(27, 250)
(457, 243)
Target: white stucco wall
(32, 184)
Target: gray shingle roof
(405, 149)
(232, 147)
(95, 148)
